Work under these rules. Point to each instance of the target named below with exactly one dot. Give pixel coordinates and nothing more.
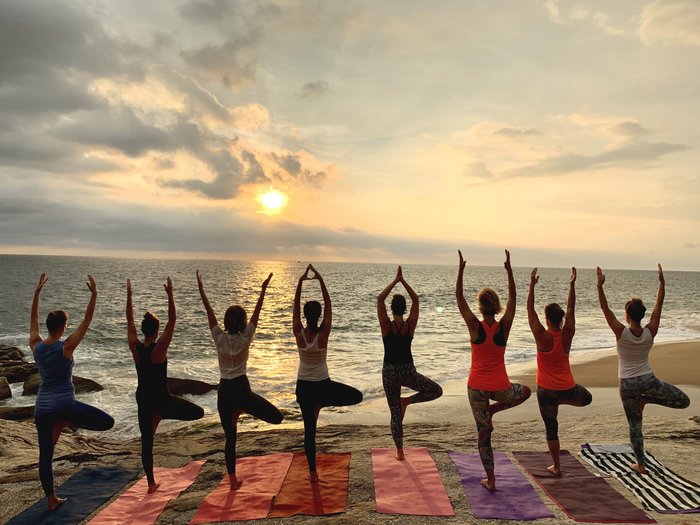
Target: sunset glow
(272, 201)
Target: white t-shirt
(633, 353)
(233, 350)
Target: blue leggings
(76, 414)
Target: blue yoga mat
(86, 491)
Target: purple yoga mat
(514, 499)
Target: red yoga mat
(327, 496)
(582, 495)
(137, 507)
(411, 486)
(262, 478)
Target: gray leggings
(651, 390)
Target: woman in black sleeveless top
(154, 400)
(398, 369)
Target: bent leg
(180, 409)
(510, 397)
(426, 389)
(659, 392)
(392, 389)
(340, 395)
(86, 416)
(259, 407)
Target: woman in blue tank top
(56, 406)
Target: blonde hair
(489, 303)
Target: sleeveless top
(633, 353)
(56, 374)
(312, 361)
(153, 378)
(553, 370)
(397, 346)
(488, 369)
(233, 350)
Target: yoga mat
(582, 495)
(262, 478)
(662, 490)
(411, 486)
(514, 499)
(137, 507)
(86, 490)
(327, 496)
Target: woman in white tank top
(638, 385)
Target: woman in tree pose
(398, 369)
(638, 385)
(155, 402)
(488, 378)
(56, 406)
(555, 382)
(234, 395)
(315, 389)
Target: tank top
(312, 361)
(633, 353)
(153, 377)
(553, 370)
(232, 350)
(397, 346)
(56, 374)
(488, 369)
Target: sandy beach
(672, 436)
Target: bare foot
(234, 482)
(489, 486)
(313, 476)
(405, 401)
(152, 487)
(399, 454)
(641, 469)
(55, 502)
(554, 470)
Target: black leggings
(234, 398)
(549, 401)
(171, 407)
(314, 395)
(76, 414)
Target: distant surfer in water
(488, 378)
(398, 369)
(56, 406)
(234, 396)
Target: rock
(5, 390)
(17, 413)
(11, 353)
(189, 386)
(82, 385)
(17, 371)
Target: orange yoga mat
(262, 478)
(137, 507)
(327, 496)
(411, 486)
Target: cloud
(517, 132)
(478, 170)
(314, 89)
(691, 245)
(671, 23)
(552, 7)
(231, 63)
(629, 129)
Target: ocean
(440, 346)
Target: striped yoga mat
(662, 490)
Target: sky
(396, 132)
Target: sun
(272, 201)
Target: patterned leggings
(396, 376)
(652, 390)
(549, 401)
(479, 401)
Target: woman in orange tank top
(555, 382)
(488, 378)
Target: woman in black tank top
(154, 400)
(398, 369)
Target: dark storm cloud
(314, 89)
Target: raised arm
(34, 337)
(384, 321)
(570, 317)
(160, 352)
(467, 314)
(655, 320)
(297, 326)
(131, 335)
(616, 326)
(74, 339)
(415, 304)
(538, 331)
(258, 306)
(327, 322)
(509, 315)
(211, 316)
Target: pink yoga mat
(411, 486)
(262, 478)
(137, 507)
